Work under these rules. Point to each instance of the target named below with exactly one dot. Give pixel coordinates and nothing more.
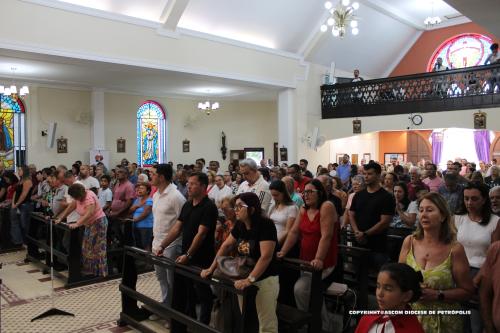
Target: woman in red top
(317, 226)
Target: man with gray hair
(255, 183)
(415, 182)
(495, 200)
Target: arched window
(12, 132)
(465, 50)
(150, 133)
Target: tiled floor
(26, 293)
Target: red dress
(311, 235)
(401, 323)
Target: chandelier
(432, 20)
(208, 107)
(11, 90)
(342, 17)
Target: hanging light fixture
(342, 18)
(208, 107)
(432, 20)
(11, 90)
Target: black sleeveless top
(19, 190)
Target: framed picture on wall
(62, 145)
(339, 157)
(120, 145)
(394, 158)
(185, 146)
(354, 158)
(367, 157)
(479, 120)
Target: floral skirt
(94, 258)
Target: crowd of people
(195, 214)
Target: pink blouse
(90, 199)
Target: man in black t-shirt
(371, 213)
(196, 223)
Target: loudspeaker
(51, 132)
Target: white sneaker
(154, 317)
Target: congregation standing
(194, 214)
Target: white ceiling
(60, 71)
(387, 29)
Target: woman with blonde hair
(434, 251)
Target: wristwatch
(440, 295)
(251, 279)
(188, 255)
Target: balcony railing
(467, 88)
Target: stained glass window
(465, 50)
(150, 133)
(12, 132)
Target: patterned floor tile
(96, 306)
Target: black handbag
(234, 268)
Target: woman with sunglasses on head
(255, 237)
(317, 227)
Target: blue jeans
(166, 276)
(19, 223)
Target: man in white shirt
(254, 182)
(167, 205)
(89, 182)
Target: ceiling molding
(394, 13)
(314, 37)
(234, 42)
(69, 7)
(10, 45)
(172, 13)
(158, 27)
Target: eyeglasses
(309, 192)
(238, 207)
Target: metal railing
(466, 88)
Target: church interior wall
(246, 124)
(45, 105)
(417, 58)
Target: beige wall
(341, 128)
(45, 105)
(246, 124)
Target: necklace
(474, 219)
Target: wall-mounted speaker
(51, 135)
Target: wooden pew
(39, 239)
(292, 319)
(132, 315)
(5, 240)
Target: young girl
(397, 285)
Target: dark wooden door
(417, 148)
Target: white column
(287, 123)
(97, 110)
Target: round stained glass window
(461, 51)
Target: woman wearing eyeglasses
(317, 227)
(255, 236)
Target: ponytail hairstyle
(406, 278)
